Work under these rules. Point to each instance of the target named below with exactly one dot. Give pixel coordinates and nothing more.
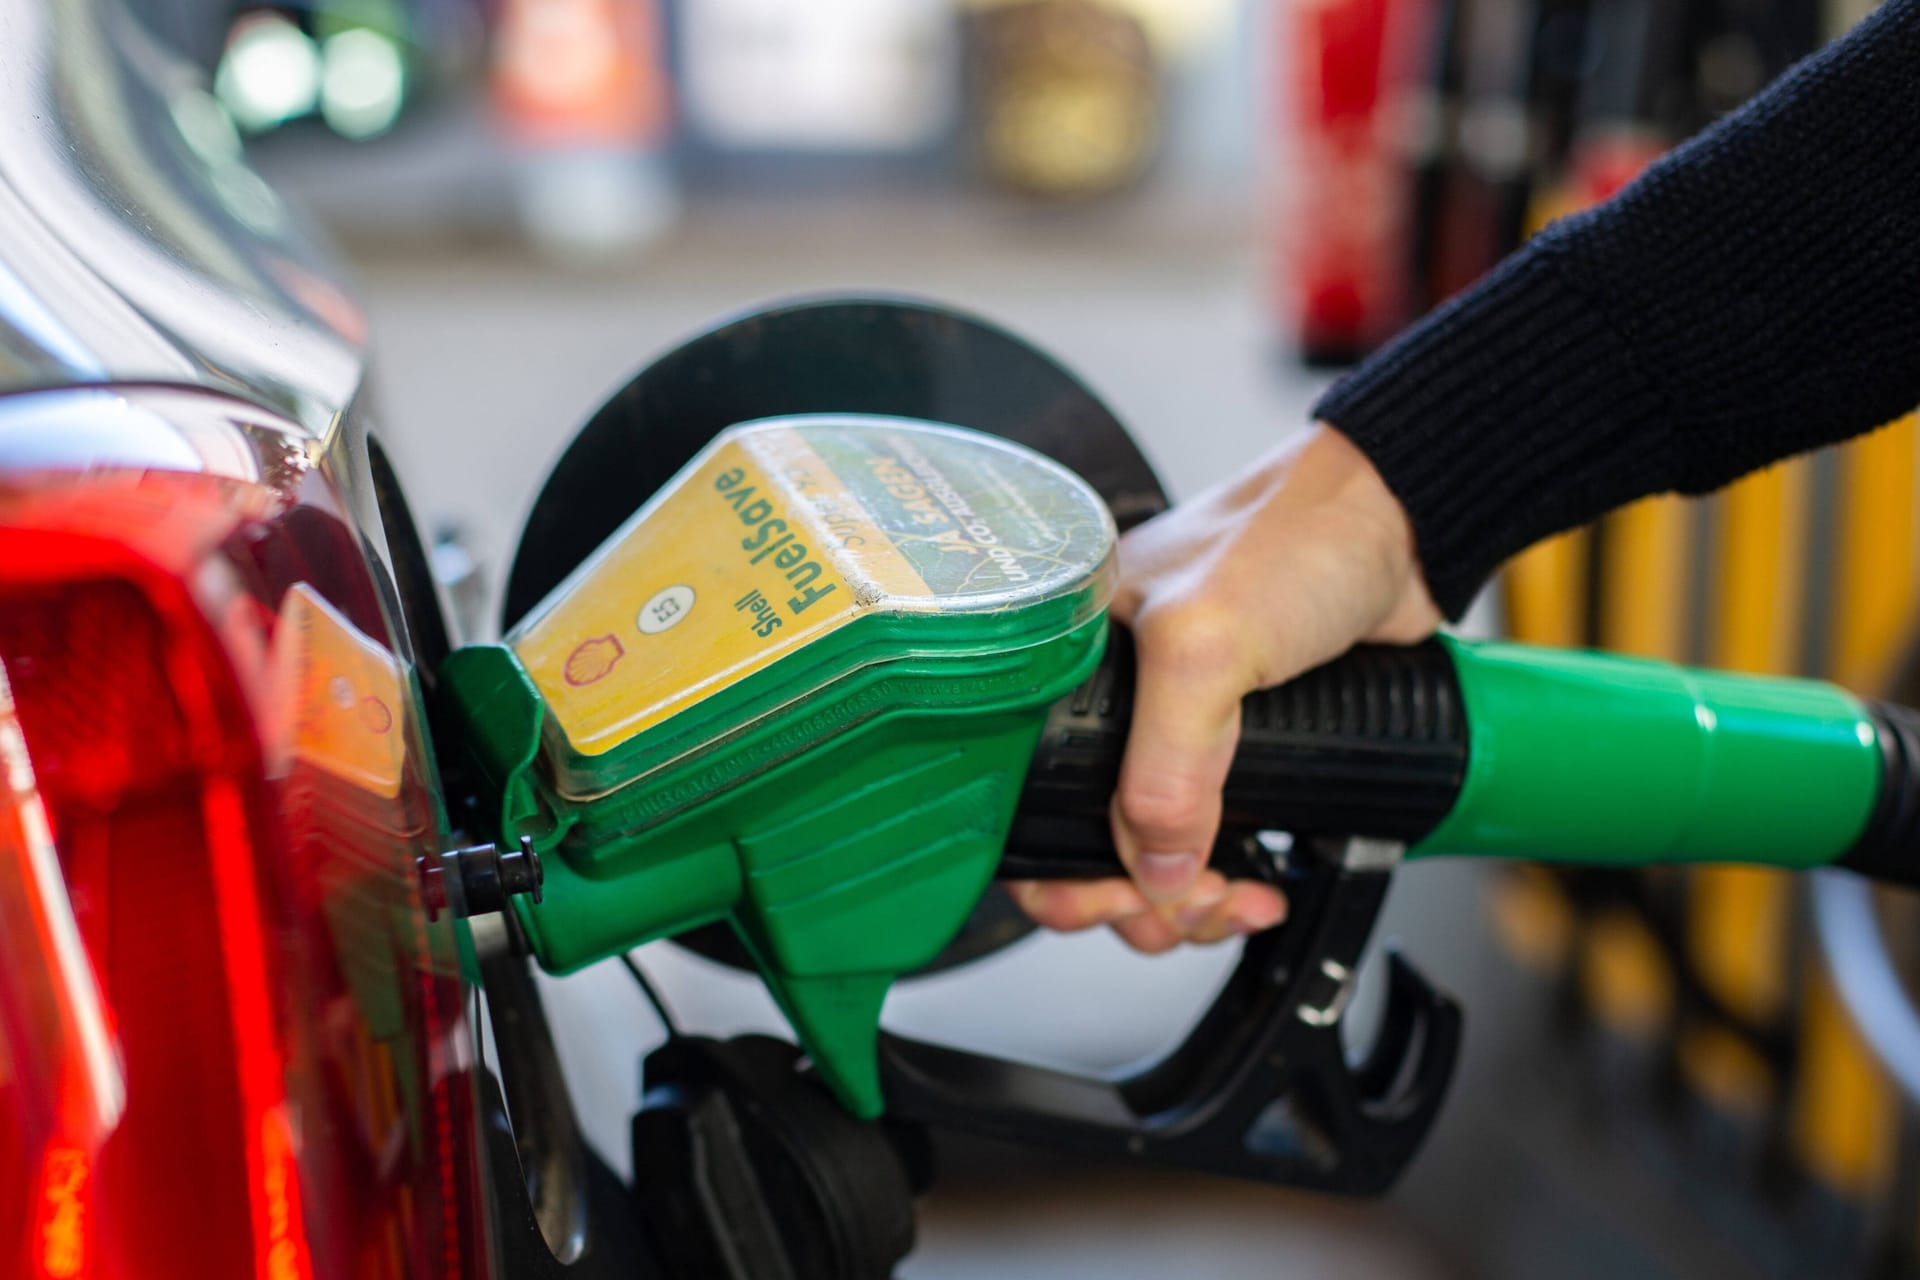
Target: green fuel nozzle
(843, 671)
(798, 691)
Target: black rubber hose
(1889, 848)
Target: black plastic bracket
(1260, 1089)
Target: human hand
(1244, 587)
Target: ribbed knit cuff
(1511, 413)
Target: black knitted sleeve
(1754, 294)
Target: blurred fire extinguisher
(1345, 106)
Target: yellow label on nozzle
(783, 531)
(724, 575)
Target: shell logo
(592, 659)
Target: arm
(1752, 295)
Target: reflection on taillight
(56, 1056)
(59, 1238)
(272, 1180)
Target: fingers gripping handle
(1372, 744)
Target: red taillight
(220, 1013)
(231, 1044)
(136, 756)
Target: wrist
(1373, 515)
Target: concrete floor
(488, 361)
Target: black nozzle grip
(1372, 744)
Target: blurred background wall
(1206, 207)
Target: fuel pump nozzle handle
(1487, 749)
(1372, 745)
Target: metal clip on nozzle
(479, 879)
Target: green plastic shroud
(1599, 759)
(841, 787)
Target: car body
(233, 1041)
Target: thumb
(1186, 723)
